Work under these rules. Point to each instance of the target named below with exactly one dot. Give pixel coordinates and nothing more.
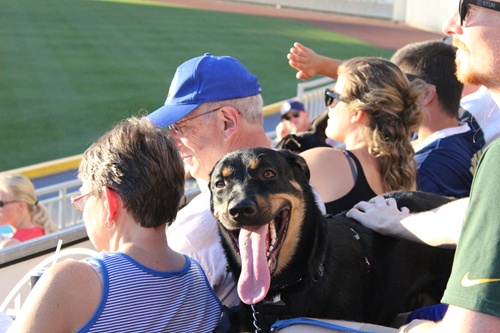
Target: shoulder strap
(351, 164)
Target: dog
(292, 261)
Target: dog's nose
(242, 208)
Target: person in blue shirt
(446, 150)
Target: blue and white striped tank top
(138, 299)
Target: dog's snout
(242, 208)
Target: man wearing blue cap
(214, 107)
(294, 119)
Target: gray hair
(250, 107)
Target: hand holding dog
(438, 227)
(381, 215)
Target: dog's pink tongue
(255, 278)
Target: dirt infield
(382, 33)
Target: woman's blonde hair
(380, 89)
(21, 188)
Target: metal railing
(57, 199)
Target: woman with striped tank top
(132, 183)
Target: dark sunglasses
(3, 203)
(331, 96)
(463, 7)
(290, 115)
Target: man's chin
(196, 173)
(465, 73)
(469, 77)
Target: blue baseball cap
(291, 105)
(204, 79)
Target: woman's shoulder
(70, 282)
(71, 273)
(323, 154)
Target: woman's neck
(23, 222)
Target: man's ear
(428, 95)
(112, 202)
(231, 118)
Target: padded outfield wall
(424, 14)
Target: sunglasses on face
(330, 98)
(463, 7)
(3, 203)
(291, 115)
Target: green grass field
(70, 69)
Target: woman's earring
(108, 227)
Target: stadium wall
(424, 14)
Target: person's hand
(379, 214)
(304, 60)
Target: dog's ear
(210, 189)
(297, 160)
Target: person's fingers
(299, 46)
(379, 200)
(296, 51)
(295, 65)
(405, 210)
(360, 216)
(391, 202)
(297, 58)
(354, 213)
(302, 76)
(362, 205)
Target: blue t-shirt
(447, 165)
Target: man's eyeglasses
(3, 203)
(178, 129)
(291, 115)
(79, 201)
(331, 96)
(463, 7)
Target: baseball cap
(291, 105)
(204, 79)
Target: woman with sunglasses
(373, 110)
(132, 183)
(20, 210)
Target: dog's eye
(220, 184)
(269, 174)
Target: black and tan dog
(292, 261)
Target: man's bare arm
(437, 227)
